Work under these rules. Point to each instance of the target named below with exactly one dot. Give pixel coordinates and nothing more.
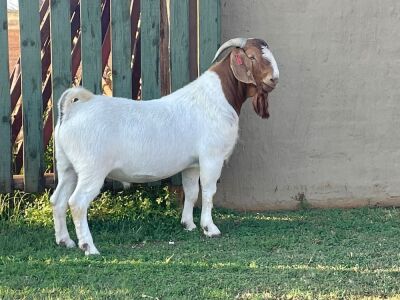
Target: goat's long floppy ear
(241, 66)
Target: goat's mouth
(267, 88)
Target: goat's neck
(236, 92)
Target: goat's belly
(136, 178)
(142, 175)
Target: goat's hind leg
(87, 189)
(190, 182)
(59, 200)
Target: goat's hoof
(89, 250)
(211, 231)
(189, 226)
(68, 243)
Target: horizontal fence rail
(126, 48)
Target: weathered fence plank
(60, 57)
(91, 45)
(179, 43)
(209, 32)
(121, 52)
(150, 45)
(179, 48)
(121, 48)
(31, 95)
(60, 50)
(5, 106)
(16, 82)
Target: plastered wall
(333, 137)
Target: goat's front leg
(210, 171)
(190, 182)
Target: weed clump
(141, 203)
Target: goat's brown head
(252, 63)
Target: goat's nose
(274, 80)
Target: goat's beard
(260, 104)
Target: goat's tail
(68, 98)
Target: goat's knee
(78, 209)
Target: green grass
(145, 254)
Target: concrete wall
(334, 131)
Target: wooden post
(5, 106)
(91, 45)
(31, 95)
(60, 28)
(121, 53)
(150, 50)
(121, 48)
(150, 46)
(179, 45)
(60, 50)
(209, 32)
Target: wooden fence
(67, 42)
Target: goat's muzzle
(268, 88)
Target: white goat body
(142, 141)
(193, 130)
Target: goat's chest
(220, 139)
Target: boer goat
(193, 130)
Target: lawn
(145, 254)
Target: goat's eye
(252, 58)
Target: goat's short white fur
(267, 54)
(193, 130)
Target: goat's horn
(236, 42)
